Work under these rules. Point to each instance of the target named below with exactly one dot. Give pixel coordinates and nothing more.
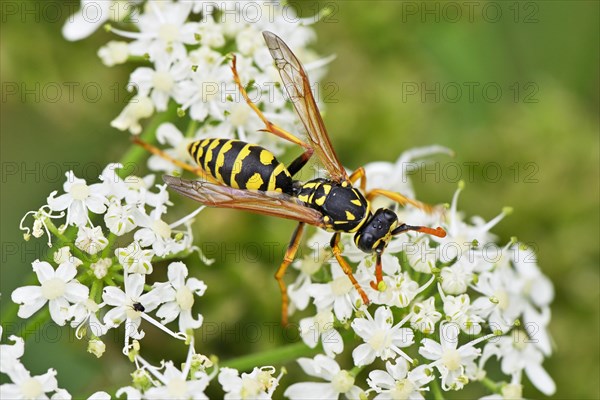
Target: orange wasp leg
(290, 254)
(359, 174)
(337, 252)
(158, 152)
(378, 273)
(270, 127)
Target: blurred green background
(543, 55)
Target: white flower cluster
(445, 309)
(187, 47)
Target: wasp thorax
(376, 233)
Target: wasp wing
(297, 86)
(266, 203)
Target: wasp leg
(401, 199)
(270, 127)
(300, 162)
(290, 254)
(156, 151)
(378, 274)
(335, 240)
(359, 173)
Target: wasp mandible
(248, 177)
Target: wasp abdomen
(241, 165)
(344, 208)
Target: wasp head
(376, 233)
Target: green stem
(436, 390)
(191, 129)
(279, 355)
(490, 384)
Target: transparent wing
(266, 203)
(298, 89)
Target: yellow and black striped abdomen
(241, 165)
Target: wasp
(248, 177)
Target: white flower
(502, 304)
(113, 53)
(119, 218)
(537, 292)
(93, 14)
(461, 236)
(78, 199)
(321, 327)
(519, 353)
(308, 266)
(159, 83)
(90, 240)
(459, 309)
(96, 347)
(456, 365)
(178, 298)
(129, 119)
(64, 255)
(259, 384)
(129, 304)
(205, 92)
(399, 290)
(158, 234)
(167, 133)
(339, 381)
(134, 259)
(339, 294)
(164, 29)
(84, 317)
(58, 287)
(424, 316)
(456, 279)
(11, 353)
(26, 387)
(382, 339)
(177, 385)
(397, 382)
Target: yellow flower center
(342, 381)
(31, 389)
(161, 228)
(177, 388)
(402, 390)
(341, 286)
(451, 359)
(380, 341)
(53, 288)
(79, 191)
(185, 298)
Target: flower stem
(278, 355)
(436, 390)
(491, 385)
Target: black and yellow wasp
(248, 177)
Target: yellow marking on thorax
(356, 202)
(320, 201)
(237, 165)
(350, 216)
